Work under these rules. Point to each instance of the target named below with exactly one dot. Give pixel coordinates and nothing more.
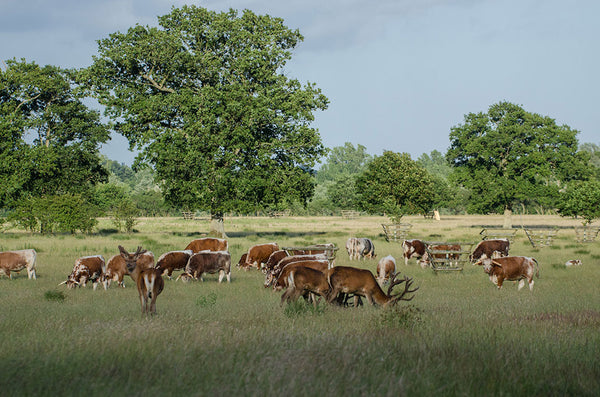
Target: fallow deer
(149, 281)
(303, 281)
(361, 282)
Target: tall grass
(459, 336)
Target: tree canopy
(509, 155)
(395, 184)
(49, 139)
(205, 98)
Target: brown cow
(173, 260)
(207, 262)
(513, 268)
(86, 268)
(413, 249)
(259, 254)
(208, 244)
(386, 268)
(494, 248)
(15, 261)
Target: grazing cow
(386, 268)
(86, 268)
(208, 244)
(513, 268)
(573, 262)
(208, 262)
(259, 254)
(494, 248)
(413, 249)
(116, 268)
(15, 261)
(425, 261)
(173, 260)
(360, 247)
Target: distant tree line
(222, 129)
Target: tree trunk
(507, 218)
(217, 227)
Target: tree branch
(154, 84)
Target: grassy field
(459, 336)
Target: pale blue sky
(399, 73)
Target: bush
(124, 215)
(62, 213)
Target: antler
(407, 281)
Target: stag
(149, 281)
(361, 282)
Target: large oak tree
(508, 156)
(49, 138)
(205, 98)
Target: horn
(64, 282)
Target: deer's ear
(123, 252)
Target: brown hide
(15, 261)
(208, 244)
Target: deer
(361, 282)
(303, 281)
(149, 281)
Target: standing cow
(360, 247)
(494, 248)
(413, 249)
(513, 268)
(15, 261)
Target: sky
(399, 74)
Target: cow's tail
(537, 268)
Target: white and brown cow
(413, 249)
(360, 248)
(15, 261)
(87, 268)
(207, 262)
(513, 268)
(494, 248)
(386, 268)
(173, 260)
(208, 244)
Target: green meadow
(459, 336)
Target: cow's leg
(531, 284)
(221, 275)
(229, 277)
(521, 284)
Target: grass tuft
(301, 308)
(54, 296)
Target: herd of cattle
(299, 273)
